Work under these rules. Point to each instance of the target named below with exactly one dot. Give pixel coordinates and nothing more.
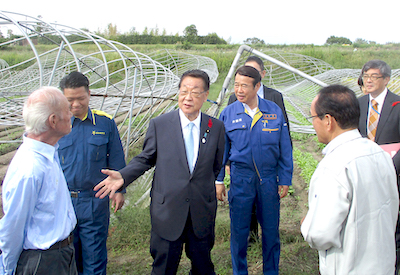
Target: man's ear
(52, 121)
(331, 122)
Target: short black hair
(384, 68)
(249, 72)
(341, 103)
(74, 80)
(257, 60)
(197, 74)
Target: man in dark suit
(375, 76)
(269, 94)
(183, 205)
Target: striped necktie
(373, 120)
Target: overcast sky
(275, 22)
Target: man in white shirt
(35, 231)
(353, 196)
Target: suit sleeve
(220, 152)
(145, 160)
(278, 99)
(226, 152)
(232, 98)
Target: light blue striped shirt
(36, 202)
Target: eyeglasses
(311, 117)
(373, 77)
(194, 94)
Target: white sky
(275, 22)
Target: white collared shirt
(380, 99)
(196, 132)
(250, 111)
(260, 91)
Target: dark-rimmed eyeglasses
(311, 117)
(194, 94)
(373, 77)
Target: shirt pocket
(97, 147)
(237, 133)
(66, 152)
(270, 133)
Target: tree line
(152, 36)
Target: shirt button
(187, 199)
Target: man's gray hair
(39, 106)
(384, 68)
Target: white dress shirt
(195, 130)
(380, 99)
(260, 91)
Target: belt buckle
(70, 238)
(74, 194)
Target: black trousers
(397, 235)
(167, 254)
(47, 262)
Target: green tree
(212, 38)
(360, 41)
(254, 41)
(132, 31)
(338, 40)
(190, 34)
(190, 30)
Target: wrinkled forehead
(372, 71)
(191, 86)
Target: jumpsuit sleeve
(285, 161)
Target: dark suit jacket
(388, 130)
(272, 95)
(174, 190)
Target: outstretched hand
(110, 185)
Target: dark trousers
(167, 254)
(90, 233)
(253, 225)
(397, 235)
(47, 262)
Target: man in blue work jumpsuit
(259, 150)
(92, 145)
